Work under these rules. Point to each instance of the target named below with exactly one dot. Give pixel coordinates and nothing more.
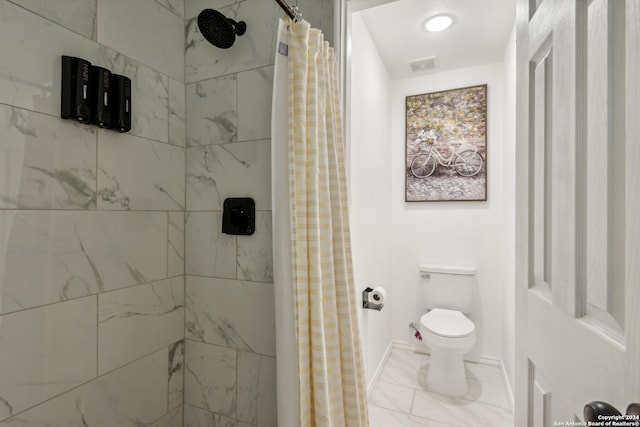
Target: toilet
(447, 293)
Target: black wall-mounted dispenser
(100, 98)
(239, 216)
(76, 81)
(120, 103)
(92, 94)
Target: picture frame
(446, 145)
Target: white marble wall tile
(231, 313)
(241, 169)
(138, 391)
(176, 373)
(138, 320)
(320, 14)
(210, 377)
(31, 80)
(196, 417)
(209, 252)
(212, 111)
(138, 174)
(47, 163)
(255, 252)
(252, 50)
(149, 94)
(157, 44)
(45, 351)
(175, 260)
(76, 15)
(174, 418)
(193, 7)
(52, 256)
(255, 90)
(177, 113)
(267, 393)
(257, 389)
(131, 396)
(248, 376)
(175, 6)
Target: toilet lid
(447, 323)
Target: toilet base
(446, 374)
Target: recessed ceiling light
(438, 23)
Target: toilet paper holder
(372, 299)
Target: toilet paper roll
(378, 295)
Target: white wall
(465, 233)
(370, 187)
(509, 213)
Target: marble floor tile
(459, 412)
(380, 417)
(486, 404)
(491, 391)
(402, 368)
(392, 396)
(486, 392)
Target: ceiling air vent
(424, 64)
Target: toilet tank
(447, 286)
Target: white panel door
(578, 204)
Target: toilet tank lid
(447, 269)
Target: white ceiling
(479, 34)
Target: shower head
(219, 30)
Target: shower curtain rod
(292, 12)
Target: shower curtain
(318, 341)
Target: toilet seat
(447, 323)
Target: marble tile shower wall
(230, 370)
(91, 221)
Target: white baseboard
(470, 357)
(507, 386)
(376, 374)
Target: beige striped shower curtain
(332, 384)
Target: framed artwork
(446, 145)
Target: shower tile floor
(400, 397)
